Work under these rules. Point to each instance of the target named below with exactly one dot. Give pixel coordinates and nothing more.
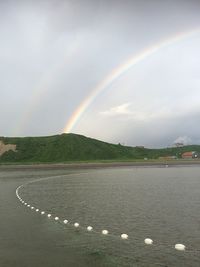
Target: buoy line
(147, 241)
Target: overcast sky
(53, 54)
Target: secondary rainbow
(43, 86)
(122, 69)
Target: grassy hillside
(73, 147)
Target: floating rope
(123, 236)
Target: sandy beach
(100, 164)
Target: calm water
(160, 203)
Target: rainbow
(42, 87)
(122, 69)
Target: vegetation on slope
(73, 147)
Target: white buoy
(28, 206)
(22, 202)
(76, 225)
(105, 232)
(180, 247)
(56, 218)
(65, 221)
(25, 203)
(42, 212)
(148, 241)
(49, 215)
(124, 236)
(32, 208)
(89, 228)
(37, 210)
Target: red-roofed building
(190, 155)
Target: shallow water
(160, 203)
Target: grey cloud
(54, 53)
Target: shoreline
(100, 164)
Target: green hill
(73, 147)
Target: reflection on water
(159, 203)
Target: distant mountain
(74, 147)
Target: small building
(190, 155)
